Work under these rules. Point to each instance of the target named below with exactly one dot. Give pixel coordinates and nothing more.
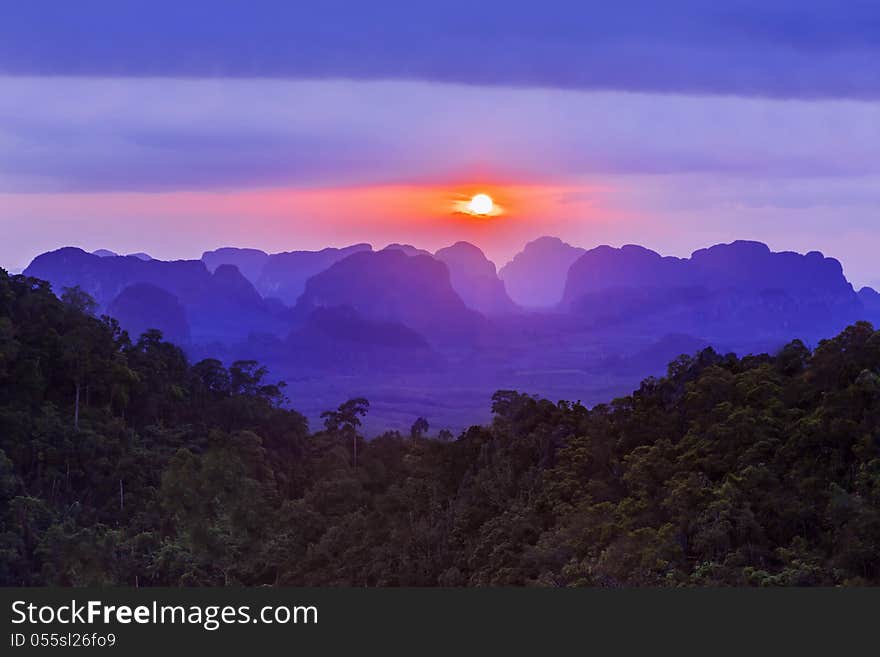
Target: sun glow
(477, 204)
(481, 204)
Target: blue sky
(673, 125)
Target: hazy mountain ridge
(408, 249)
(280, 275)
(107, 253)
(741, 265)
(473, 276)
(143, 306)
(740, 287)
(283, 275)
(405, 320)
(250, 262)
(389, 285)
(221, 306)
(536, 276)
(725, 291)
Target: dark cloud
(783, 48)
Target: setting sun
(481, 204)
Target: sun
(481, 204)
(478, 205)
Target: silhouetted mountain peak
(742, 265)
(66, 254)
(742, 249)
(143, 306)
(408, 249)
(536, 275)
(284, 275)
(250, 262)
(279, 275)
(107, 253)
(229, 279)
(232, 251)
(742, 289)
(222, 306)
(751, 265)
(636, 250)
(605, 267)
(467, 257)
(389, 285)
(549, 245)
(473, 276)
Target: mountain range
(222, 306)
(725, 291)
(557, 320)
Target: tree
(246, 378)
(419, 428)
(79, 340)
(79, 300)
(346, 419)
(346, 416)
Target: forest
(121, 463)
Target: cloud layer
(75, 134)
(784, 48)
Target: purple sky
(149, 126)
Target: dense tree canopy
(122, 463)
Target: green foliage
(172, 473)
(755, 471)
